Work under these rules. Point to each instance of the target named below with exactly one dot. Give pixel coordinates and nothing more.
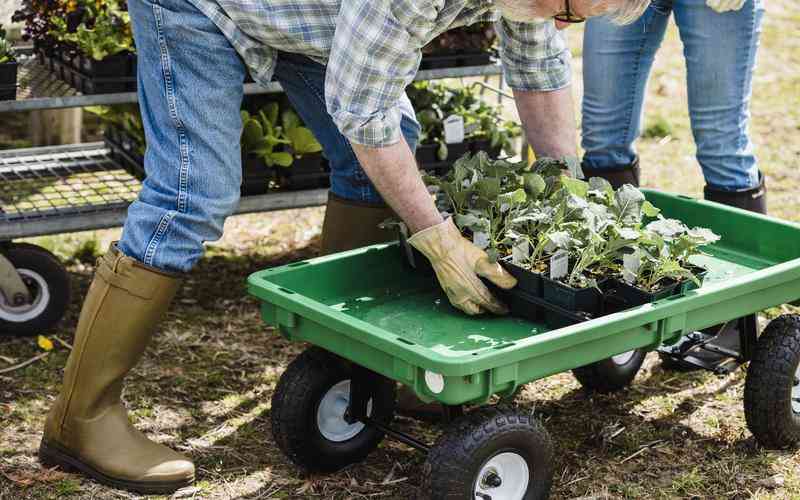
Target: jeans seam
(182, 200)
(163, 224)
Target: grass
(204, 386)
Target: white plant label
(520, 252)
(630, 266)
(559, 264)
(454, 129)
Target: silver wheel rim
(330, 414)
(505, 476)
(27, 312)
(623, 358)
(796, 392)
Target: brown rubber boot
(349, 225)
(352, 224)
(617, 176)
(87, 428)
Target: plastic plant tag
(520, 252)
(454, 129)
(480, 239)
(559, 264)
(630, 266)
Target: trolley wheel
(772, 385)
(612, 374)
(308, 413)
(49, 285)
(492, 453)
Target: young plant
(6, 48)
(103, 28)
(434, 102)
(276, 142)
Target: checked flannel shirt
(372, 50)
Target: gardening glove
(725, 5)
(458, 263)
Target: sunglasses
(568, 17)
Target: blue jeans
(720, 52)
(190, 92)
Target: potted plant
(483, 127)
(8, 68)
(277, 145)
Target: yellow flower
(45, 343)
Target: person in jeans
(345, 66)
(720, 39)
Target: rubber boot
(349, 225)
(87, 428)
(728, 334)
(352, 224)
(617, 176)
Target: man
(345, 65)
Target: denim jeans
(720, 52)
(190, 92)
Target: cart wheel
(612, 374)
(772, 386)
(308, 410)
(49, 285)
(491, 453)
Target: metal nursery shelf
(61, 189)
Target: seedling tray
(365, 306)
(70, 71)
(437, 61)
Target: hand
(725, 5)
(458, 263)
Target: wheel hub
(505, 476)
(331, 413)
(623, 358)
(20, 311)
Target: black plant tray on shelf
(99, 78)
(438, 61)
(308, 172)
(8, 81)
(256, 176)
(124, 149)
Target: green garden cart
(374, 323)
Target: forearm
(548, 119)
(393, 170)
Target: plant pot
(529, 282)
(114, 66)
(8, 74)
(256, 176)
(621, 295)
(308, 172)
(588, 300)
(689, 285)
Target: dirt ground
(204, 386)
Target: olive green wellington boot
(87, 429)
(349, 225)
(352, 224)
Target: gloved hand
(458, 263)
(725, 5)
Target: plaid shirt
(372, 50)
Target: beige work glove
(458, 263)
(725, 5)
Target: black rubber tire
(294, 413)
(607, 376)
(769, 382)
(454, 462)
(55, 276)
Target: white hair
(624, 12)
